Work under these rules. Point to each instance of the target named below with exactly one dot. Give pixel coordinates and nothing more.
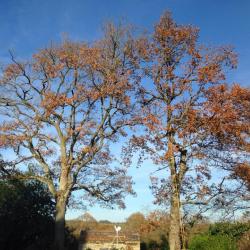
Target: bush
(154, 245)
(212, 242)
(232, 230)
(26, 215)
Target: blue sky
(27, 25)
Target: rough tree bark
(60, 224)
(174, 234)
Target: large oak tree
(61, 111)
(196, 125)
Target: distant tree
(88, 220)
(26, 215)
(152, 228)
(196, 126)
(87, 217)
(155, 220)
(105, 222)
(61, 111)
(135, 222)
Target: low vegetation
(154, 230)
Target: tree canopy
(196, 124)
(61, 111)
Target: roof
(102, 237)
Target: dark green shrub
(143, 246)
(232, 230)
(154, 245)
(164, 243)
(212, 242)
(26, 215)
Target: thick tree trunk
(175, 227)
(60, 224)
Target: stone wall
(108, 246)
(95, 240)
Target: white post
(117, 239)
(117, 229)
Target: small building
(94, 240)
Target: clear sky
(27, 25)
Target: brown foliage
(242, 171)
(152, 227)
(195, 124)
(61, 111)
(190, 114)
